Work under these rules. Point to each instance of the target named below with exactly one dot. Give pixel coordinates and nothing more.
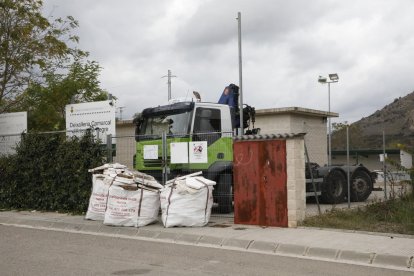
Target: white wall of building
(406, 159)
(125, 143)
(315, 128)
(372, 161)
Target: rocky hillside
(396, 118)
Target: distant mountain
(396, 119)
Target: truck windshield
(173, 124)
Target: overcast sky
(286, 46)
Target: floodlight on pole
(323, 80)
(334, 77)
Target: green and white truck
(190, 121)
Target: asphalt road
(40, 252)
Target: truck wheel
(333, 190)
(361, 186)
(225, 193)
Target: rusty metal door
(260, 190)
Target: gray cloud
(286, 46)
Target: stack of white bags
(123, 197)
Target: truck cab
(186, 122)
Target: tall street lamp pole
(329, 127)
(240, 74)
(332, 79)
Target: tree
(46, 103)
(30, 46)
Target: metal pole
(347, 164)
(329, 126)
(109, 147)
(169, 76)
(384, 166)
(240, 75)
(169, 84)
(121, 108)
(164, 159)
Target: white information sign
(198, 152)
(11, 126)
(96, 116)
(381, 156)
(150, 151)
(179, 152)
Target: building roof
(296, 110)
(269, 136)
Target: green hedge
(49, 172)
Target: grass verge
(393, 216)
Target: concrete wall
(269, 124)
(315, 127)
(372, 161)
(125, 143)
(296, 182)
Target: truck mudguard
(217, 168)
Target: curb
(393, 260)
(290, 250)
(353, 256)
(392, 235)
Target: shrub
(49, 172)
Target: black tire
(224, 193)
(334, 188)
(361, 186)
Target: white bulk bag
(198, 182)
(128, 206)
(123, 181)
(187, 204)
(99, 196)
(150, 207)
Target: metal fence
(396, 184)
(168, 156)
(165, 157)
